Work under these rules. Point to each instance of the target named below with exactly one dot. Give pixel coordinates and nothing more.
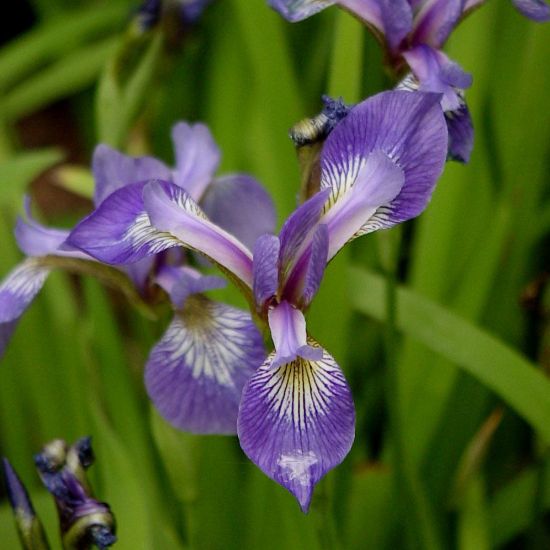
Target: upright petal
(438, 74)
(296, 10)
(17, 291)
(266, 269)
(119, 230)
(435, 21)
(297, 422)
(196, 373)
(288, 330)
(409, 130)
(241, 206)
(538, 10)
(173, 211)
(298, 229)
(113, 170)
(197, 157)
(182, 282)
(316, 265)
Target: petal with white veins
(195, 374)
(297, 422)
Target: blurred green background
(455, 357)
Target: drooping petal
(35, 239)
(392, 18)
(538, 10)
(461, 133)
(172, 210)
(197, 157)
(119, 230)
(437, 73)
(182, 282)
(241, 206)
(297, 10)
(17, 291)
(266, 269)
(288, 330)
(435, 21)
(196, 373)
(113, 170)
(297, 422)
(409, 128)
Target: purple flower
(413, 31)
(378, 168)
(83, 519)
(538, 10)
(196, 372)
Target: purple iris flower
(379, 166)
(413, 31)
(195, 374)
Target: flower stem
(421, 525)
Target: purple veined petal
(410, 129)
(288, 331)
(461, 133)
(471, 4)
(35, 239)
(378, 182)
(17, 291)
(113, 170)
(435, 20)
(316, 265)
(182, 282)
(197, 157)
(266, 269)
(119, 230)
(537, 10)
(241, 206)
(179, 215)
(298, 229)
(196, 373)
(297, 10)
(437, 73)
(297, 422)
(140, 271)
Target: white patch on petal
(142, 233)
(26, 279)
(296, 466)
(210, 339)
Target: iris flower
(413, 32)
(378, 168)
(210, 348)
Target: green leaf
(17, 172)
(501, 369)
(69, 75)
(125, 85)
(76, 179)
(51, 41)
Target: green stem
(421, 525)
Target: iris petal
(196, 373)
(538, 10)
(288, 330)
(119, 231)
(17, 291)
(435, 21)
(113, 170)
(173, 211)
(266, 268)
(241, 206)
(197, 157)
(296, 422)
(296, 10)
